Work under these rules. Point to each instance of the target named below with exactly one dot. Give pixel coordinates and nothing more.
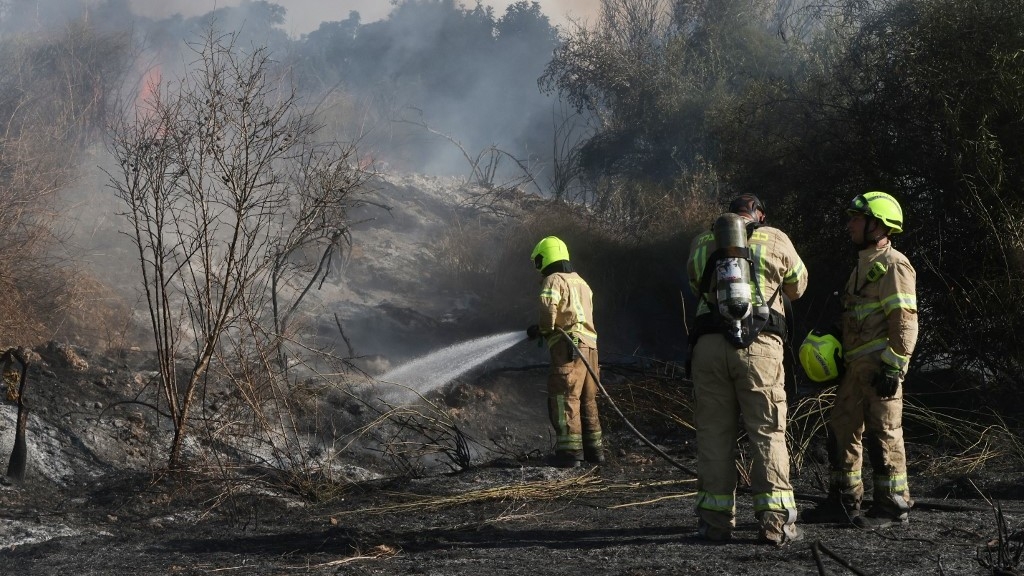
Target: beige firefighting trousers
(861, 419)
(729, 382)
(572, 400)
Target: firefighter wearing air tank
(566, 302)
(879, 332)
(743, 272)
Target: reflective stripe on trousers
(729, 382)
(859, 420)
(572, 399)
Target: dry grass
(974, 445)
(657, 397)
(567, 488)
(807, 420)
(379, 552)
(967, 441)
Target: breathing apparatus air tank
(732, 271)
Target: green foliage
(925, 101)
(655, 78)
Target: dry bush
(87, 312)
(412, 438)
(250, 417)
(966, 442)
(647, 211)
(464, 254)
(654, 396)
(55, 90)
(32, 170)
(491, 259)
(236, 208)
(807, 421)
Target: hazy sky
(305, 15)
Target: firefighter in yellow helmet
(566, 302)
(742, 272)
(879, 326)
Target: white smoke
(304, 16)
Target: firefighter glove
(887, 381)
(533, 332)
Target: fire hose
(629, 424)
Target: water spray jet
(432, 371)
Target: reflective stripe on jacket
(881, 315)
(567, 302)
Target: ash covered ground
(92, 504)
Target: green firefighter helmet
(549, 250)
(821, 355)
(881, 206)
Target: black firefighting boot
(593, 454)
(831, 511)
(562, 459)
(887, 510)
(877, 519)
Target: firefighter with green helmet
(566, 308)
(879, 332)
(743, 272)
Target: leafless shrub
(498, 189)
(421, 434)
(235, 210)
(567, 140)
(1003, 554)
(969, 444)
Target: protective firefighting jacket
(775, 264)
(567, 302)
(880, 307)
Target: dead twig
(547, 490)
(19, 454)
(817, 559)
(841, 560)
(379, 552)
(1007, 548)
(653, 500)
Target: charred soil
(92, 504)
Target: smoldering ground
(92, 503)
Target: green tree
(923, 99)
(657, 75)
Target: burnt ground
(93, 504)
